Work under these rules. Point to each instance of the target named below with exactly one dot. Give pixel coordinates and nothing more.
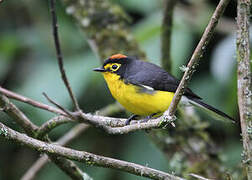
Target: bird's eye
(114, 67)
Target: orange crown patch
(117, 56)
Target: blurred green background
(28, 66)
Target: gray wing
(146, 74)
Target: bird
(145, 89)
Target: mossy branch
(64, 140)
(109, 124)
(31, 173)
(65, 165)
(82, 156)
(244, 81)
(105, 26)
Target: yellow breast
(135, 101)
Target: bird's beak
(100, 69)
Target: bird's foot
(167, 119)
(147, 118)
(130, 119)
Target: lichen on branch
(105, 26)
(244, 78)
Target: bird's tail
(210, 109)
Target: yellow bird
(144, 88)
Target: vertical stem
(166, 34)
(244, 81)
(197, 54)
(60, 56)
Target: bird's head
(116, 64)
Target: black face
(115, 65)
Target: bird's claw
(167, 119)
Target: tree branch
(57, 105)
(33, 171)
(66, 139)
(34, 103)
(167, 34)
(58, 120)
(83, 156)
(59, 55)
(108, 34)
(41, 162)
(244, 81)
(109, 124)
(104, 23)
(198, 177)
(19, 117)
(51, 124)
(67, 166)
(197, 54)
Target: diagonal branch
(198, 177)
(83, 156)
(244, 81)
(21, 119)
(57, 105)
(197, 54)
(66, 139)
(59, 55)
(27, 100)
(51, 124)
(41, 162)
(67, 166)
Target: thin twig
(27, 100)
(57, 105)
(91, 119)
(33, 171)
(197, 54)
(198, 176)
(244, 81)
(59, 55)
(83, 156)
